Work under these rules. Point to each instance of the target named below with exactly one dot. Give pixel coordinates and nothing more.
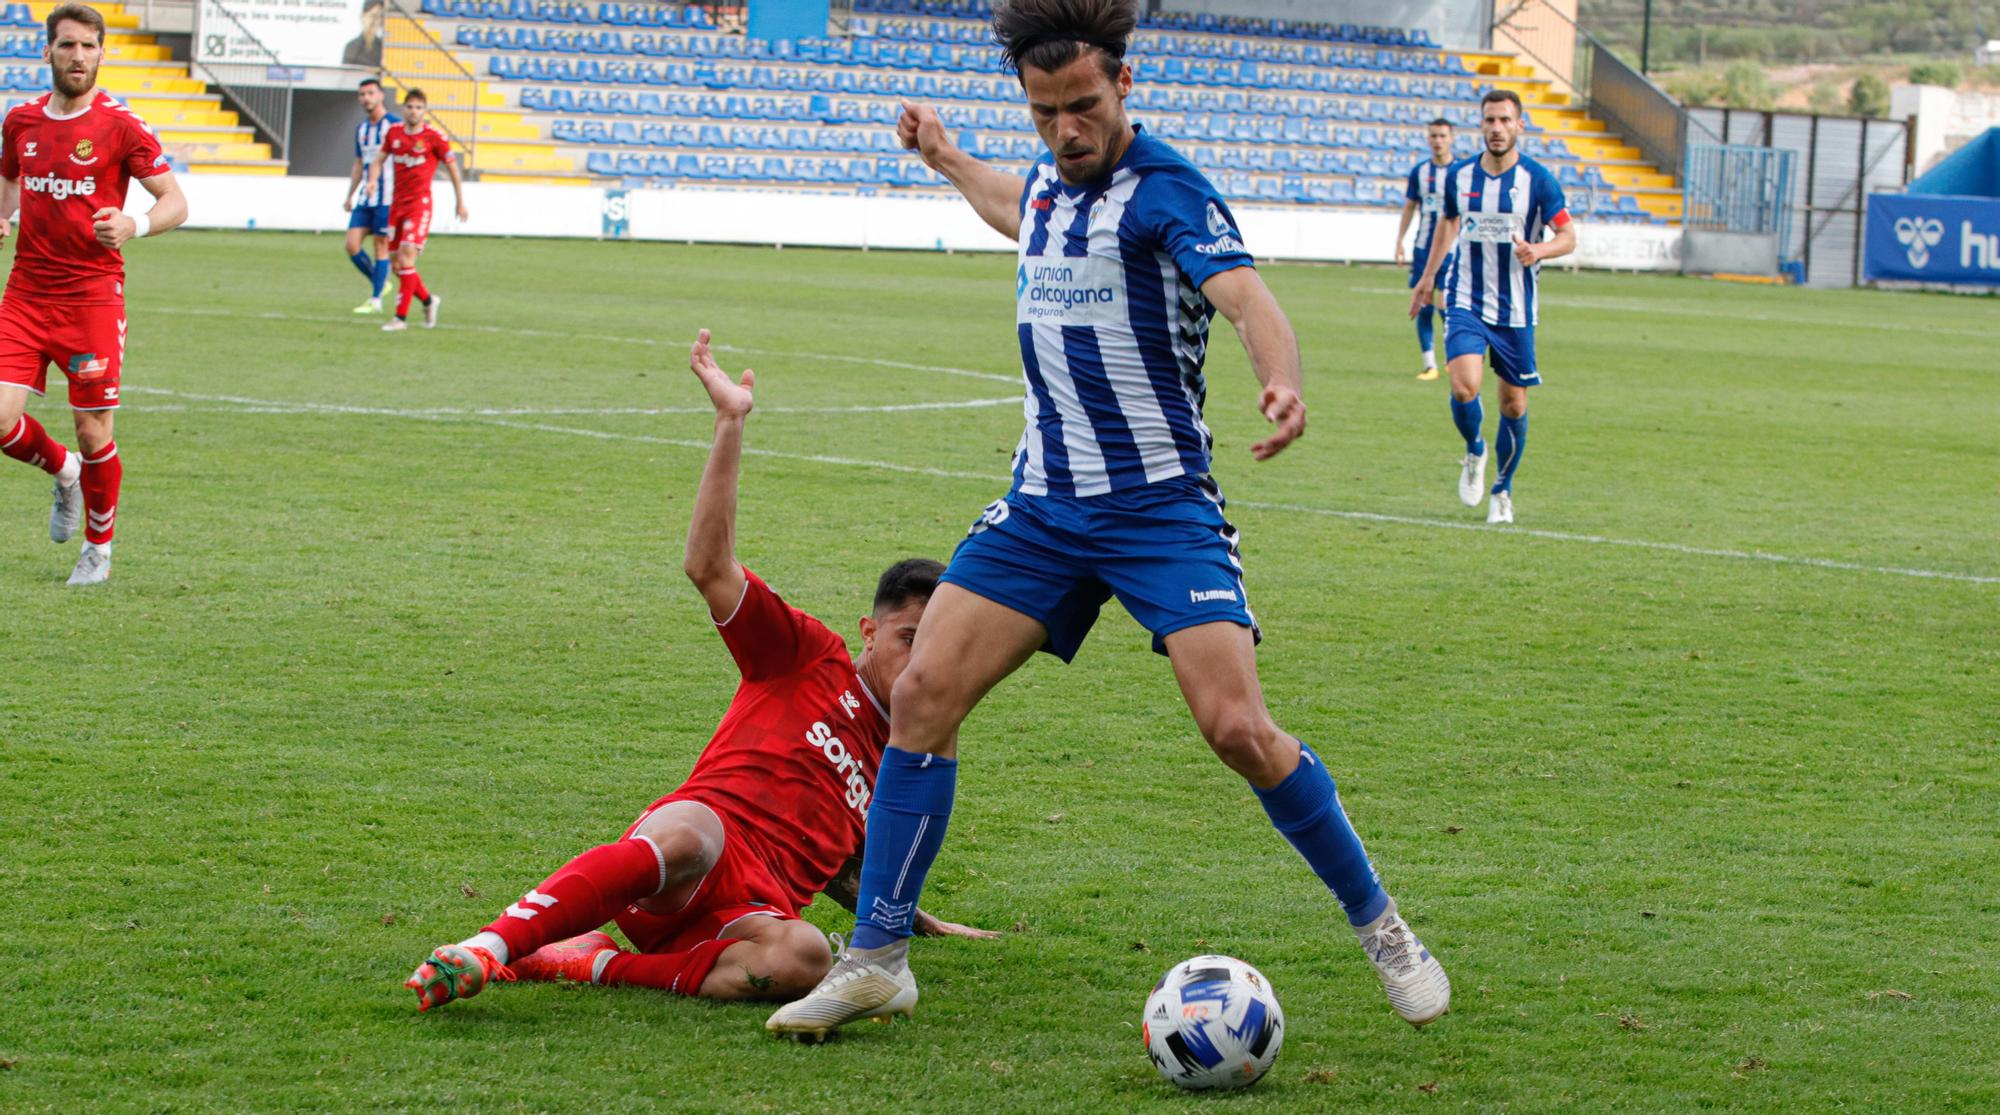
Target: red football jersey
(70, 167)
(795, 757)
(416, 156)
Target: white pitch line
(1255, 505)
(243, 404)
(602, 338)
(1658, 309)
(1633, 543)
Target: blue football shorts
(1510, 349)
(1164, 550)
(373, 218)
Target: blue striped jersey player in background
(1125, 255)
(1496, 208)
(369, 207)
(1424, 202)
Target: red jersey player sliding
(708, 882)
(66, 158)
(417, 149)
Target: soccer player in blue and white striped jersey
(370, 206)
(1125, 253)
(1424, 202)
(1496, 209)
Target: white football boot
(93, 566)
(1415, 981)
(1472, 480)
(431, 312)
(67, 513)
(395, 325)
(864, 983)
(1501, 509)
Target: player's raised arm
(1241, 296)
(995, 195)
(710, 561)
(1441, 244)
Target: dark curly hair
(1050, 34)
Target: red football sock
(407, 283)
(679, 972)
(28, 443)
(101, 477)
(585, 893)
(423, 292)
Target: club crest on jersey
(84, 155)
(28, 152)
(1217, 223)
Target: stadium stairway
(506, 146)
(1621, 164)
(646, 94)
(196, 131)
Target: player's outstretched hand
(1525, 252)
(732, 400)
(920, 130)
(928, 926)
(1420, 296)
(112, 227)
(1285, 410)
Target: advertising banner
(1924, 238)
(287, 33)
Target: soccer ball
(1213, 1022)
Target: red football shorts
(740, 885)
(409, 224)
(86, 342)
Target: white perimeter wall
(817, 220)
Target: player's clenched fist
(112, 227)
(920, 130)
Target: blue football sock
(906, 823)
(1306, 809)
(1425, 334)
(1469, 417)
(363, 264)
(1512, 439)
(381, 276)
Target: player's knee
(794, 961)
(1245, 738)
(689, 850)
(928, 701)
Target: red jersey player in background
(417, 149)
(66, 160)
(708, 882)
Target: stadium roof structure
(1971, 171)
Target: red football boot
(454, 972)
(575, 959)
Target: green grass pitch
(1690, 778)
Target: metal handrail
(279, 131)
(469, 140)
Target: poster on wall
(290, 32)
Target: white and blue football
(1213, 1022)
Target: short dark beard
(89, 80)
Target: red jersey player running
(66, 158)
(417, 149)
(708, 882)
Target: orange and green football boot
(576, 959)
(454, 972)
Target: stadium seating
(654, 95)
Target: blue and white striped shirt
(1112, 322)
(1486, 277)
(1426, 188)
(368, 137)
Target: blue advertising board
(1921, 238)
